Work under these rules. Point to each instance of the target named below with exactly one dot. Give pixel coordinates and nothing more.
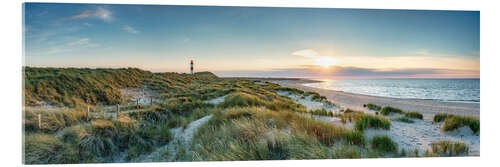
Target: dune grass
(453, 122)
(372, 107)
(48, 149)
(415, 115)
(321, 112)
(449, 148)
(404, 119)
(441, 117)
(252, 123)
(370, 121)
(253, 133)
(383, 144)
(52, 121)
(387, 110)
(364, 121)
(456, 122)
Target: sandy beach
(355, 101)
(414, 136)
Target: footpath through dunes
(182, 138)
(355, 101)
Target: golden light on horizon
(326, 61)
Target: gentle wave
(454, 90)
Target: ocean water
(459, 90)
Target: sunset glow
(325, 61)
(252, 41)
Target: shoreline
(452, 101)
(428, 107)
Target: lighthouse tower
(192, 67)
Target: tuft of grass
(322, 112)
(456, 122)
(383, 144)
(415, 115)
(256, 133)
(404, 119)
(326, 133)
(449, 148)
(47, 149)
(241, 99)
(346, 152)
(453, 122)
(370, 121)
(389, 110)
(52, 121)
(372, 107)
(441, 117)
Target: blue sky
(250, 41)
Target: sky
(255, 41)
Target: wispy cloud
(307, 53)
(130, 29)
(70, 46)
(100, 12)
(82, 42)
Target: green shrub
(389, 110)
(372, 107)
(369, 121)
(383, 144)
(416, 115)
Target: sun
(325, 61)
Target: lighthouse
(192, 67)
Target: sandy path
(167, 153)
(355, 101)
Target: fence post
(117, 110)
(138, 103)
(88, 110)
(151, 99)
(39, 121)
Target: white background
(12, 61)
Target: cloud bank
(308, 71)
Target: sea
(456, 90)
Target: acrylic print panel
(108, 83)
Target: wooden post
(151, 99)
(88, 110)
(117, 110)
(39, 121)
(138, 103)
